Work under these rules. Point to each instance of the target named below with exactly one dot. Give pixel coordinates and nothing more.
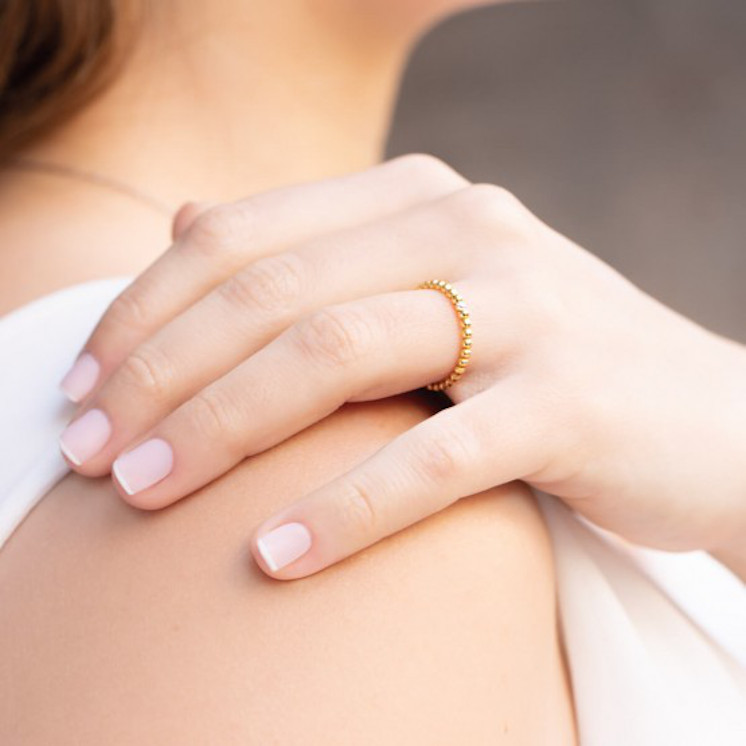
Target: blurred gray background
(621, 123)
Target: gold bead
(464, 356)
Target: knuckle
(149, 371)
(272, 284)
(221, 230)
(335, 336)
(536, 296)
(442, 453)
(356, 510)
(489, 205)
(214, 416)
(428, 169)
(129, 309)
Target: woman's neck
(237, 97)
(231, 99)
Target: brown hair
(55, 55)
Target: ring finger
(375, 347)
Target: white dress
(656, 641)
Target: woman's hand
(270, 313)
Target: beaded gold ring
(464, 355)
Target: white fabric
(656, 641)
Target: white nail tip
(115, 470)
(70, 455)
(69, 395)
(266, 556)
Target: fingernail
(144, 465)
(86, 436)
(81, 378)
(284, 544)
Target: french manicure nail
(86, 436)
(81, 378)
(144, 465)
(284, 544)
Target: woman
(415, 617)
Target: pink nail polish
(86, 436)
(144, 465)
(81, 378)
(284, 544)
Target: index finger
(223, 239)
(485, 441)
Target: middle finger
(248, 311)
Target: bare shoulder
(125, 627)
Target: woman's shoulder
(40, 340)
(133, 623)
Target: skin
(238, 87)
(577, 372)
(529, 692)
(589, 371)
(121, 626)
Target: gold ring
(464, 355)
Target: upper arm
(126, 627)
